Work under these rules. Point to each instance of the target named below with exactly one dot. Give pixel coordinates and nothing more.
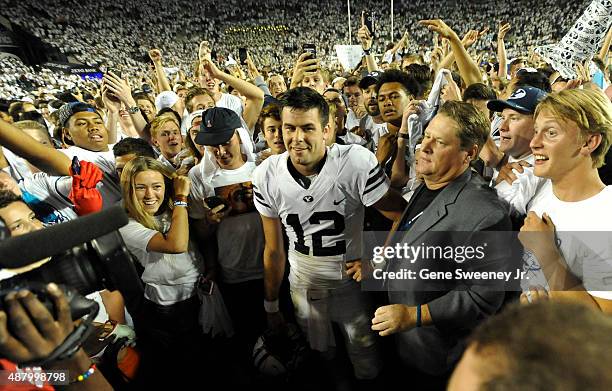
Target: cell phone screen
(242, 53)
(369, 22)
(310, 48)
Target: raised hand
(503, 30)
(438, 26)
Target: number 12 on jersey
(318, 250)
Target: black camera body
(86, 255)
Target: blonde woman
(158, 236)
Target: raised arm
(46, 159)
(467, 67)
(121, 89)
(366, 44)
(176, 240)
(254, 95)
(501, 51)
(162, 80)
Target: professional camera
(85, 255)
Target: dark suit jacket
(467, 204)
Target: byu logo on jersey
(308, 198)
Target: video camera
(85, 255)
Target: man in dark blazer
(431, 317)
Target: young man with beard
(372, 124)
(318, 195)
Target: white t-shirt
(168, 278)
(53, 190)
(351, 120)
(231, 102)
(109, 187)
(240, 238)
(521, 193)
(584, 229)
(17, 167)
(324, 222)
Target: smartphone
(75, 166)
(215, 201)
(310, 48)
(205, 286)
(242, 53)
(369, 22)
(115, 71)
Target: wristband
(271, 306)
(405, 136)
(366, 51)
(133, 110)
(418, 316)
(180, 203)
(180, 197)
(85, 375)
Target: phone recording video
(310, 48)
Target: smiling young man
(86, 137)
(516, 131)
(231, 229)
(318, 194)
(166, 136)
(573, 134)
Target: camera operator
(28, 331)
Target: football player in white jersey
(318, 194)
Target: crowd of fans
(251, 190)
(118, 34)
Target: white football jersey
(324, 223)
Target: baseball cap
(218, 126)
(369, 79)
(524, 100)
(165, 99)
(70, 109)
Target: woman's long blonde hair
(128, 189)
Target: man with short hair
(545, 346)
(318, 194)
(276, 84)
(395, 90)
(516, 131)
(372, 124)
(571, 259)
(129, 148)
(225, 219)
(429, 323)
(355, 100)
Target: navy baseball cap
(369, 79)
(524, 100)
(70, 109)
(218, 126)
